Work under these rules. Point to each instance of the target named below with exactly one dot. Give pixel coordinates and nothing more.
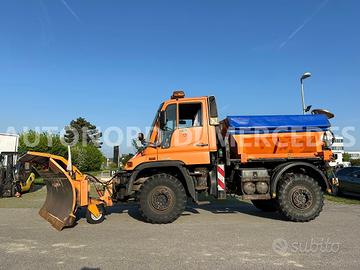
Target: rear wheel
(92, 219)
(300, 198)
(162, 199)
(266, 205)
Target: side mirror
(162, 119)
(141, 137)
(214, 121)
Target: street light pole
(303, 77)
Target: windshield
(141, 146)
(154, 123)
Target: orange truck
(280, 163)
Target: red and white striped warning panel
(221, 177)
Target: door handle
(202, 144)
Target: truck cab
(184, 129)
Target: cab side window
(170, 126)
(190, 115)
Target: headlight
(328, 138)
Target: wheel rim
(162, 199)
(301, 198)
(96, 218)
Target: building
(8, 143)
(338, 146)
(338, 150)
(354, 154)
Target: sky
(114, 62)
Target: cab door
(188, 139)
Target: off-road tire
(91, 219)
(162, 199)
(266, 205)
(300, 198)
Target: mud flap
(58, 209)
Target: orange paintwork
(290, 145)
(55, 157)
(212, 139)
(147, 155)
(185, 143)
(78, 181)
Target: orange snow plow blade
(62, 186)
(58, 208)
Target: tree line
(354, 162)
(83, 137)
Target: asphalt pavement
(210, 236)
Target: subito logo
(280, 246)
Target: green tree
(112, 166)
(82, 131)
(87, 157)
(125, 158)
(346, 157)
(42, 142)
(355, 162)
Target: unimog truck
(278, 162)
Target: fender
(281, 169)
(164, 164)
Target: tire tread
(180, 194)
(283, 204)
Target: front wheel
(162, 199)
(300, 198)
(91, 219)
